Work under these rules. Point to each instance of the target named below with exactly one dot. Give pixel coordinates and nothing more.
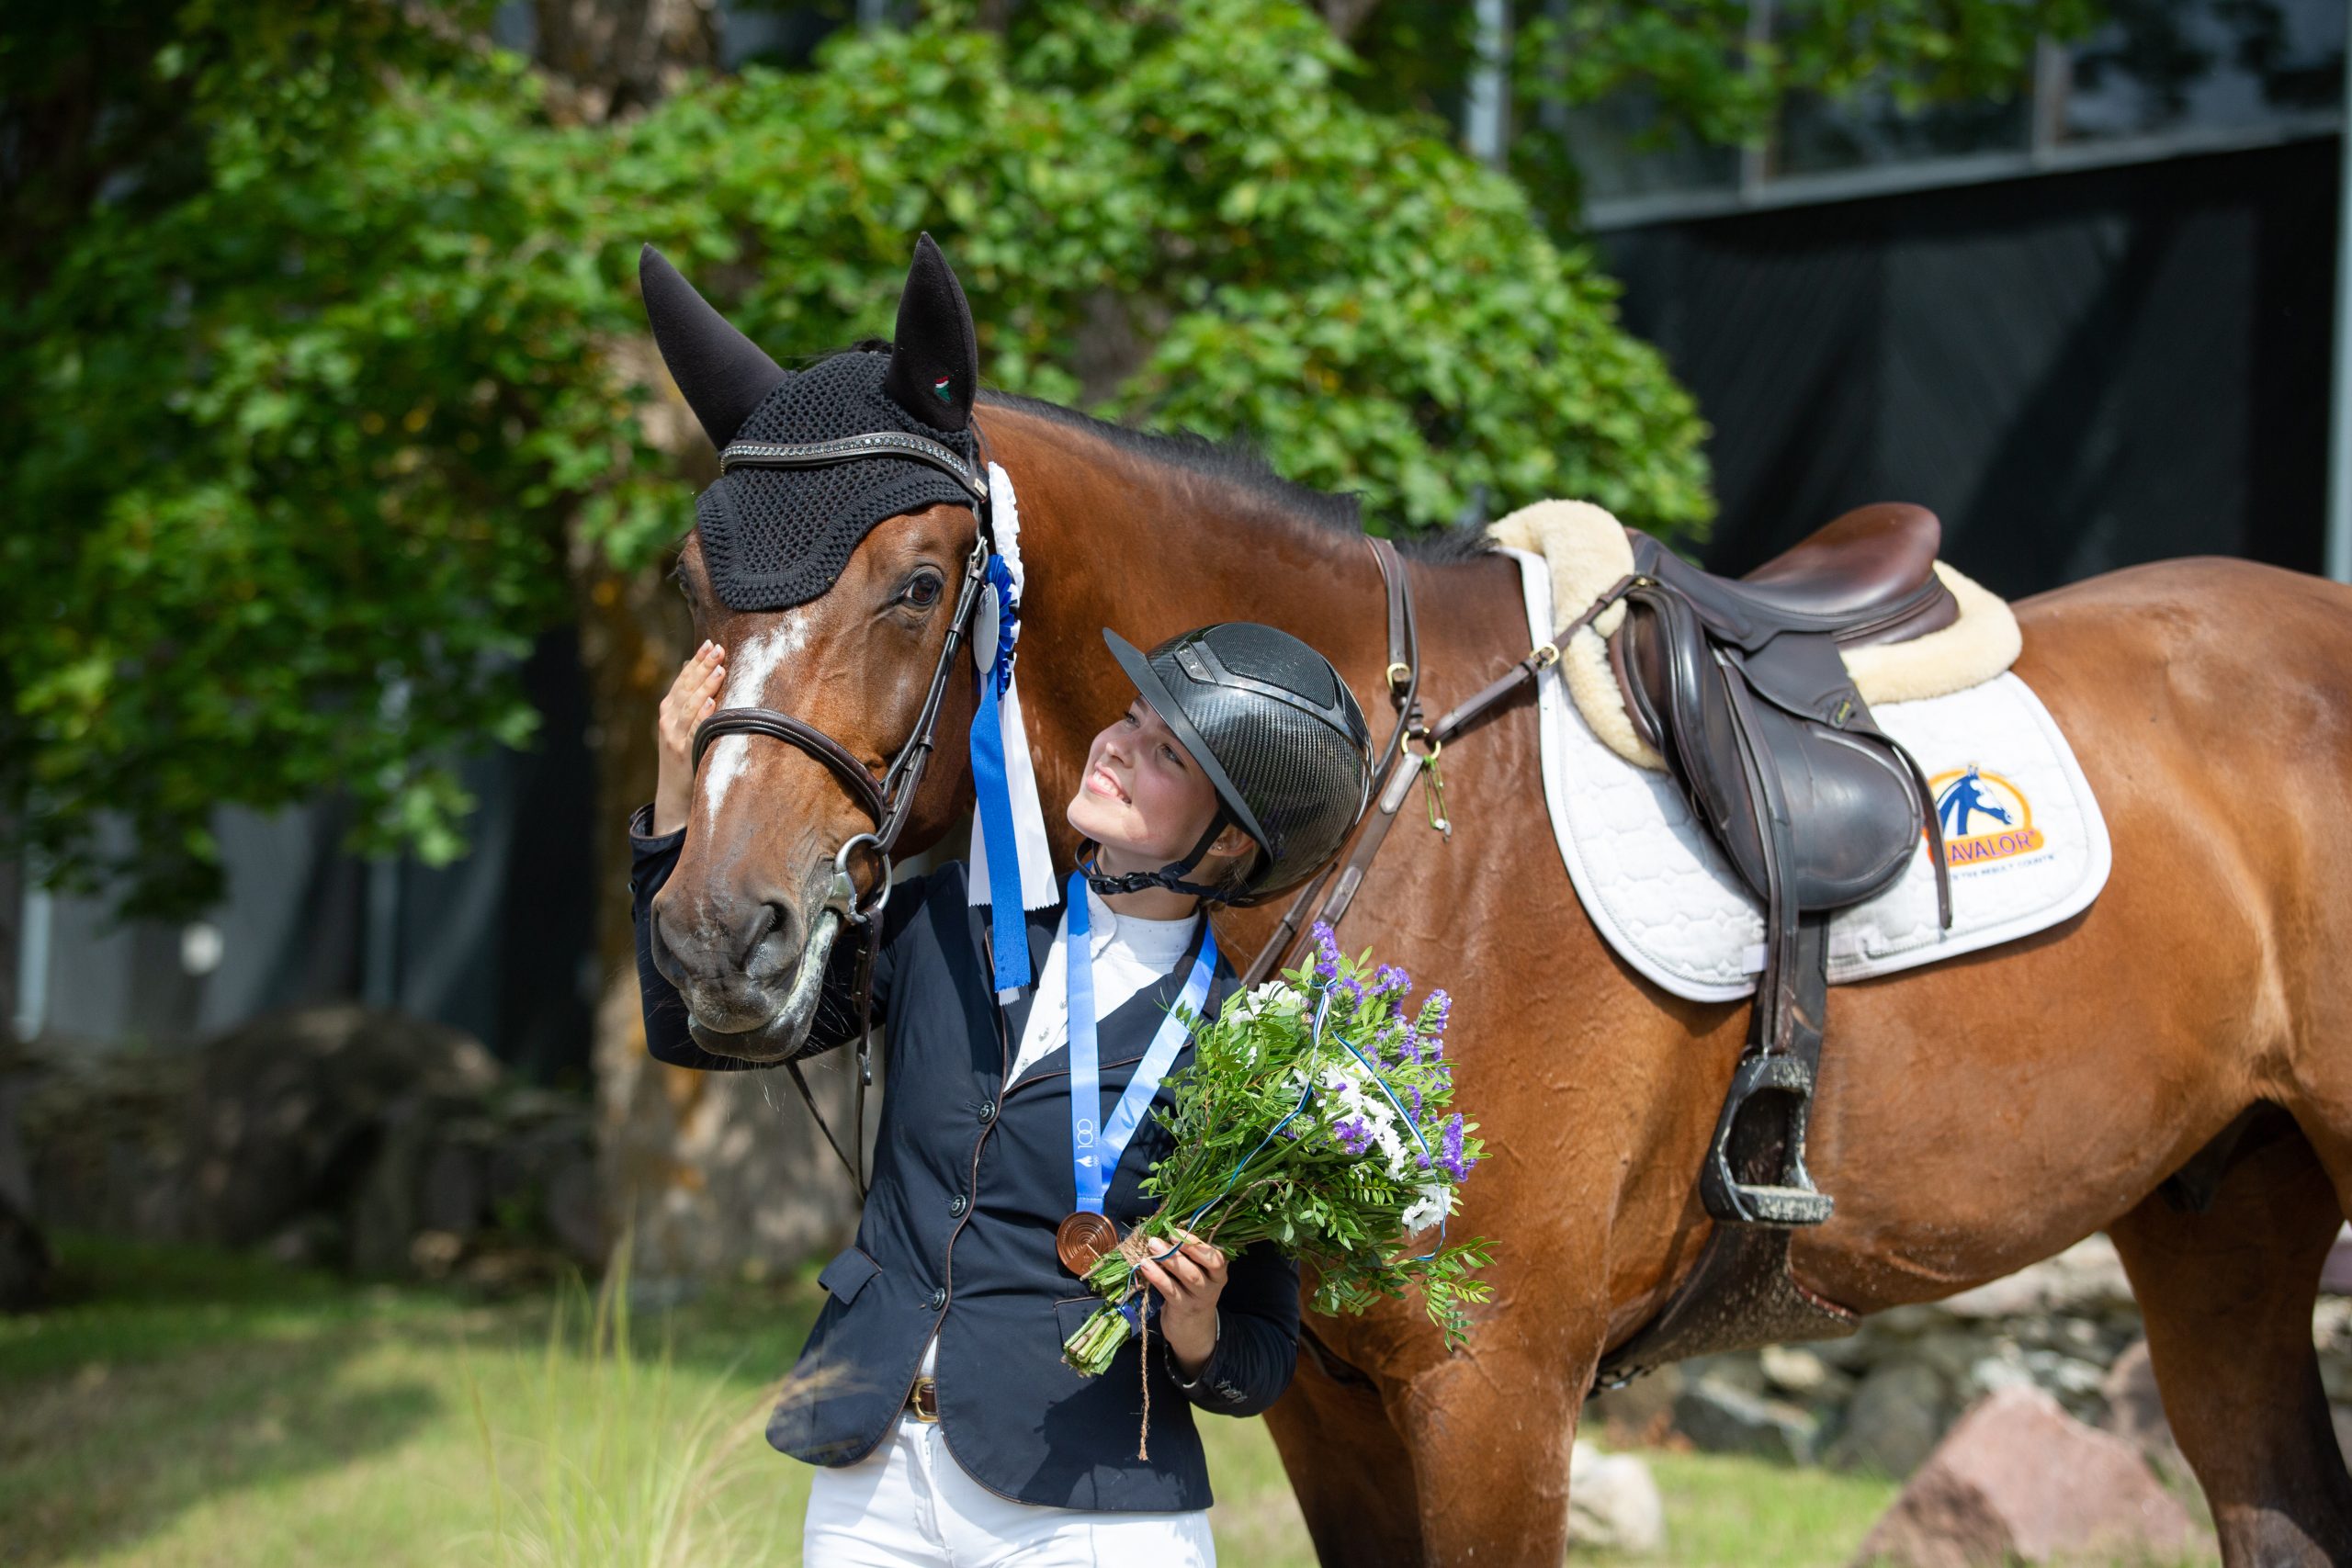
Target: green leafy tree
(304, 457)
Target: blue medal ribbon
(1094, 1152)
(994, 796)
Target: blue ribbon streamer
(1010, 930)
(1095, 1154)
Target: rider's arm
(1257, 1339)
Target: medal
(1083, 1240)
(1085, 1236)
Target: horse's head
(833, 575)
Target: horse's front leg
(1348, 1463)
(1490, 1430)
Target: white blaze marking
(753, 664)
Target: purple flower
(1415, 1091)
(1434, 1012)
(1353, 1135)
(1351, 989)
(1327, 951)
(1450, 1152)
(1390, 977)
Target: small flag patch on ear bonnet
(945, 387)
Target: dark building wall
(500, 943)
(2077, 372)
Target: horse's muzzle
(782, 1034)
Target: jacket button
(939, 1298)
(988, 1112)
(958, 1204)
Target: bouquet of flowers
(1317, 1115)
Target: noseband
(889, 800)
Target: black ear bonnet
(776, 537)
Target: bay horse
(1972, 1116)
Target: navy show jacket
(969, 1180)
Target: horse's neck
(1109, 539)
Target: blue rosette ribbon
(1010, 931)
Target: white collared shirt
(1130, 953)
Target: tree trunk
(707, 1173)
(623, 54)
(1345, 16)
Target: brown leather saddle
(1739, 685)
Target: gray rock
(2086, 1277)
(1723, 1419)
(1951, 1351)
(1895, 1421)
(2020, 1480)
(333, 1136)
(1742, 1369)
(1796, 1371)
(1614, 1504)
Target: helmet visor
(1163, 702)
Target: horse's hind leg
(2227, 1297)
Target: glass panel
(1620, 147)
(2162, 65)
(1819, 137)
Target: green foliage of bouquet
(1316, 1116)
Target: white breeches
(909, 1504)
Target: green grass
(184, 1407)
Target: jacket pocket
(846, 1274)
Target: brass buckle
(1400, 675)
(1543, 655)
(922, 1399)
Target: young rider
(931, 1388)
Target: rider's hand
(694, 696)
(1189, 1281)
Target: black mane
(1246, 470)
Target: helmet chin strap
(1170, 876)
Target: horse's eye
(923, 591)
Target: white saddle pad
(2027, 846)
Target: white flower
(1428, 1210)
(1275, 996)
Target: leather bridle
(889, 801)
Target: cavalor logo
(1983, 816)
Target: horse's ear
(723, 374)
(935, 363)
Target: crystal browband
(849, 450)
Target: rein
(889, 801)
(1392, 786)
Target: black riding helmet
(1279, 736)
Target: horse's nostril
(775, 949)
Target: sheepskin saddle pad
(1955, 639)
(1929, 651)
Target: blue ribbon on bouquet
(1011, 932)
